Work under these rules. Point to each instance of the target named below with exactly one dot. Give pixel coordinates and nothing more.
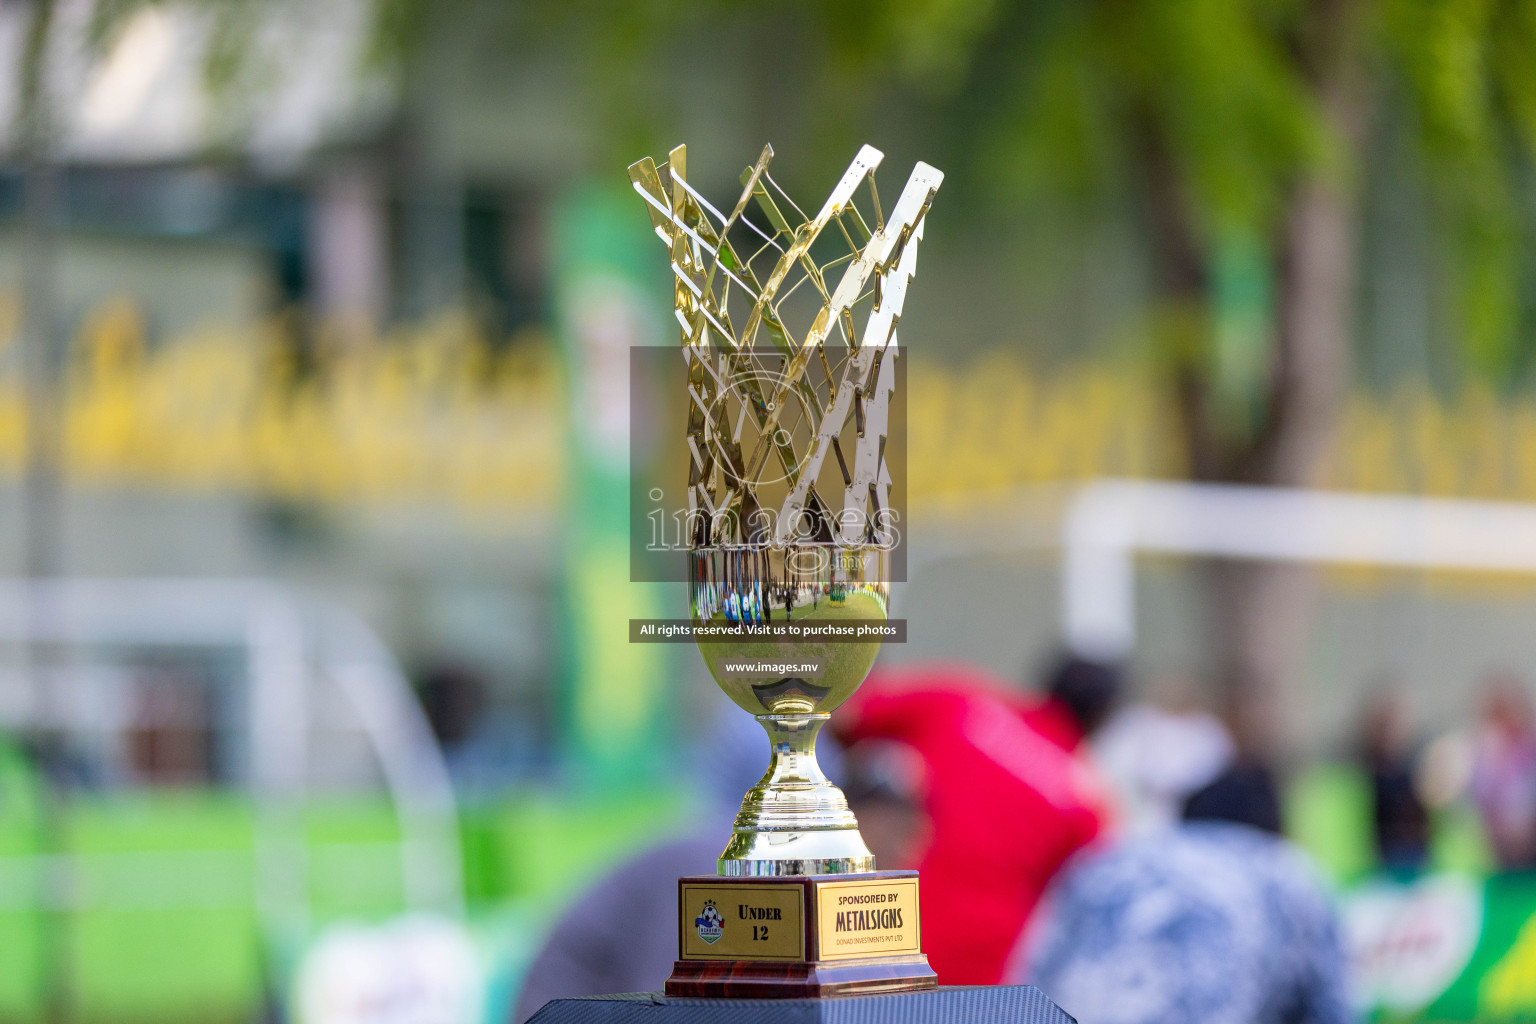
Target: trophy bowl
(794, 821)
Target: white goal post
(1108, 522)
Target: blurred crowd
(1128, 857)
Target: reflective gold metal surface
(780, 420)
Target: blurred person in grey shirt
(620, 935)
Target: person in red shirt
(1007, 795)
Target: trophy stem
(795, 821)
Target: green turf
(168, 929)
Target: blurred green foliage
(1202, 121)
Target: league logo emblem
(709, 923)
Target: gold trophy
(788, 325)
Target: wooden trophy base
(793, 937)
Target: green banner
(610, 295)
(1444, 947)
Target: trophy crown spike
(768, 403)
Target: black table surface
(1001, 1004)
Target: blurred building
(307, 284)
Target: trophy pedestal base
(1002, 1004)
(749, 979)
(799, 936)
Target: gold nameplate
(739, 920)
(742, 922)
(870, 917)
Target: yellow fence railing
(430, 412)
(436, 412)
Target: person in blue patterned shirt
(1211, 921)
